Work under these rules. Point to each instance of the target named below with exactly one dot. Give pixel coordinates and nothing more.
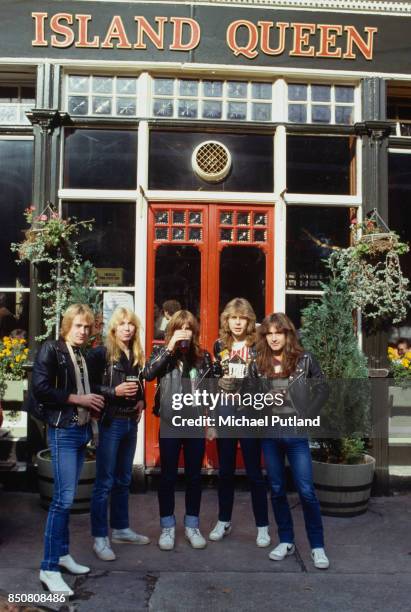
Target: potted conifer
(343, 471)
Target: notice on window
(107, 277)
(113, 299)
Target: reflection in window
(100, 159)
(111, 244)
(16, 164)
(177, 277)
(311, 232)
(242, 274)
(320, 164)
(14, 314)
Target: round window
(211, 161)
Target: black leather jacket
(104, 378)
(53, 380)
(161, 364)
(308, 398)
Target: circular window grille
(211, 161)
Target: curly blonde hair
(113, 350)
(237, 307)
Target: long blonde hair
(113, 350)
(243, 308)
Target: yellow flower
(22, 341)
(17, 358)
(15, 341)
(12, 365)
(405, 362)
(26, 350)
(8, 352)
(6, 338)
(408, 354)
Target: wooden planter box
(344, 490)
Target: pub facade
(222, 147)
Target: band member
(116, 373)
(234, 350)
(60, 383)
(286, 367)
(180, 365)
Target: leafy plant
(328, 331)
(51, 245)
(372, 272)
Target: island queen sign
(244, 38)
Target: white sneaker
(71, 566)
(220, 530)
(55, 583)
(263, 537)
(320, 558)
(281, 551)
(103, 549)
(167, 538)
(128, 536)
(195, 538)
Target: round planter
(343, 490)
(84, 490)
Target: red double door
(204, 255)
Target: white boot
(103, 549)
(193, 535)
(167, 538)
(55, 583)
(71, 566)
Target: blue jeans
(193, 449)
(299, 457)
(115, 453)
(67, 454)
(227, 452)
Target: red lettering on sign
(248, 50)
(302, 33)
(83, 33)
(195, 34)
(117, 30)
(329, 40)
(39, 40)
(354, 37)
(265, 27)
(143, 27)
(62, 30)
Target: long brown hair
(181, 317)
(292, 350)
(242, 308)
(113, 350)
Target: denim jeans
(299, 458)
(251, 450)
(67, 454)
(115, 453)
(193, 449)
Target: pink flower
(42, 218)
(55, 215)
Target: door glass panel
(177, 277)
(242, 274)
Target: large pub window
(16, 166)
(100, 159)
(171, 161)
(321, 164)
(313, 232)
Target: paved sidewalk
(370, 562)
